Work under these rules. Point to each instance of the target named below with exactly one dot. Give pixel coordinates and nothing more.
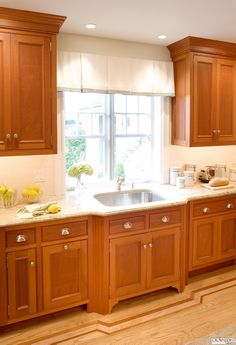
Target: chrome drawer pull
(230, 205)
(206, 210)
(165, 219)
(66, 247)
(127, 225)
(65, 231)
(21, 238)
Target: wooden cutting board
(219, 187)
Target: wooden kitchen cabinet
(204, 106)
(22, 283)
(138, 253)
(163, 258)
(212, 232)
(128, 262)
(28, 82)
(141, 262)
(43, 268)
(64, 274)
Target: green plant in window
(75, 149)
(119, 170)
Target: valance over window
(109, 74)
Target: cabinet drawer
(165, 217)
(209, 207)
(63, 231)
(128, 224)
(19, 238)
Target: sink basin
(128, 197)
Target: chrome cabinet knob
(21, 238)
(145, 246)
(127, 225)
(15, 136)
(150, 245)
(206, 210)
(66, 247)
(32, 264)
(165, 219)
(65, 231)
(230, 205)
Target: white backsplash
(203, 156)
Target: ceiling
(141, 20)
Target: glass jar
(189, 178)
(174, 173)
(220, 170)
(180, 182)
(192, 167)
(232, 174)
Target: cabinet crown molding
(14, 19)
(202, 45)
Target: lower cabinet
(212, 232)
(22, 283)
(138, 253)
(142, 262)
(44, 268)
(64, 274)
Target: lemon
(3, 189)
(54, 208)
(34, 187)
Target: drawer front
(127, 225)
(165, 217)
(211, 207)
(64, 231)
(19, 238)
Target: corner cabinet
(28, 82)
(138, 253)
(204, 106)
(43, 268)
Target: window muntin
(113, 133)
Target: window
(113, 133)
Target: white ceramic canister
(192, 167)
(220, 170)
(189, 178)
(180, 182)
(232, 174)
(174, 173)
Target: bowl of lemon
(32, 193)
(7, 196)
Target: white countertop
(83, 204)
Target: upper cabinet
(28, 82)
(204, 107)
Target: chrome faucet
(119, 181)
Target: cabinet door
(65, 274)
(127, 265)
(163, 257)
(21, 283)
(227, 240)
(5, 130)
(226, 101)
(203, 242)
(204, 79)
(31, 92)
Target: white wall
(203, 156)
(105, 46)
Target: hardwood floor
(208, 304)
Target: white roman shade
(109, 74)
(69, 71)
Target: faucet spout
(120, 180)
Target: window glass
(112, 133)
